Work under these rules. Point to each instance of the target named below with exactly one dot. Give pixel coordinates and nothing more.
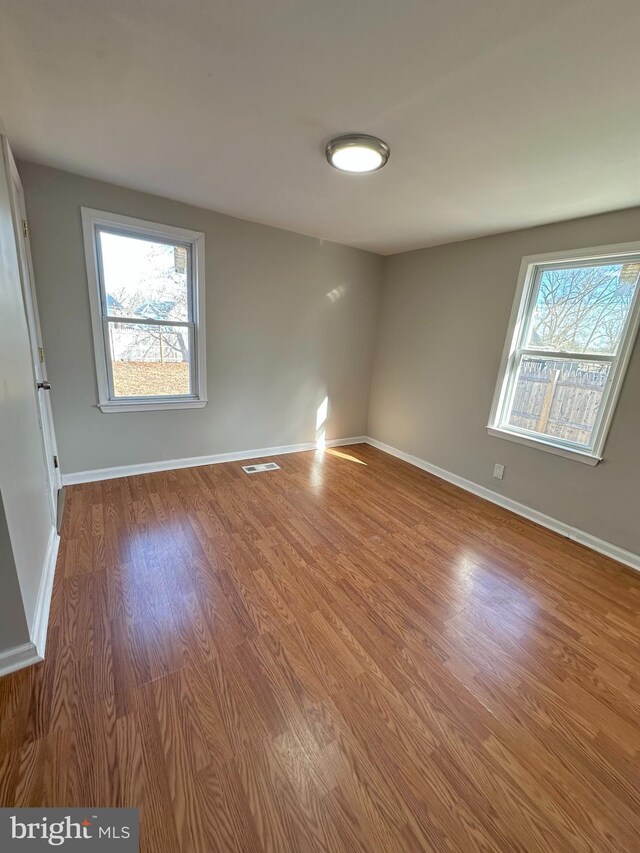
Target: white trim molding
(195, 461)
(517, 347)
(26, 654)
(18, 657)
(94, 221)
(607, 548)
(576, 455)
(43, 602)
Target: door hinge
(56, 464)
(25, 228)
(41, 353)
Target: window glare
(583, 309)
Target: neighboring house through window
(572, 330)
(146, 289)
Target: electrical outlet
(498, 471)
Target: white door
(18, 210)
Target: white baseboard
(194, 461)
(599, 545)
(18, 657)
(27, 654)
(43, 602)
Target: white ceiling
(500, 113)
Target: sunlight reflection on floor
(342, 455)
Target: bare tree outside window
(583, 309)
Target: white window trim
(91, 219)
(519, 314)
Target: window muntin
(572, 332)
(146, 287)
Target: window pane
(583, 309)
(150, 361)
(559, 398)
(143, 278)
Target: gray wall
(290, 319)
(13, 623)
(444, 317)
(278, 342)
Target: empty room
(320, 426)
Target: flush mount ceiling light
(357, 152)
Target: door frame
(23, 249)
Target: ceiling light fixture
(357, 153)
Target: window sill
(568, 453)
(152, 406)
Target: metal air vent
(257, 469)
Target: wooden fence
(559, 398)
(148, 343)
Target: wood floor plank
(346, 654)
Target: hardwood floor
(346, 654)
